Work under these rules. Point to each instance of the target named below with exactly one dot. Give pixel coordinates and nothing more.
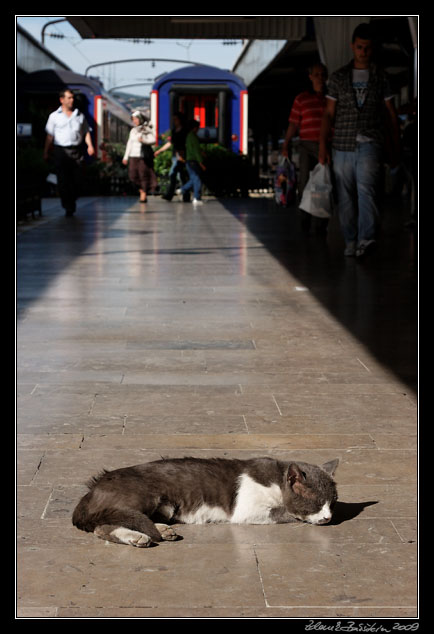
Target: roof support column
(412, 22)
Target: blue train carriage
(108, 119)
(216, 98)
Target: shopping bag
(317, 198)
(285, 182)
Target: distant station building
(33, 56)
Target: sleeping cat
(128, 505)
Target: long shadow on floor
(375, 299)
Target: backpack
(285, 182)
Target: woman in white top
(139, 155)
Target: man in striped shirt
(305, 119)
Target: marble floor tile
(241, 442)
(329, 575)
(215, 332)
(174, 574)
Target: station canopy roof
(199, 26)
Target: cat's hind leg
(122, 535)
(129, 527)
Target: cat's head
(311, 492)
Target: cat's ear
(331, 466)
(294, 474)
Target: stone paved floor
(217, 331)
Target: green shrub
(227, 173)
(162, 165)
(32, 169)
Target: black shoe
(166, 197)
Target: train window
(210, 111)
(203, 108)
(187, 105)
(208, 134)
(106, 126)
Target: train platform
(164, 330)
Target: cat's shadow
(345, 511)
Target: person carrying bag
(139, 155)
(317, 198)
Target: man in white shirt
(66, 129)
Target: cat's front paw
(140, 541)
(167, 533)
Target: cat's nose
(325, 520)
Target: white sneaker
(197, 202)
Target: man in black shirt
(177, 142)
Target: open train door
(208, 105)
(216, 98)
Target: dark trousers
(69, 163)
(308, 158)
(142, 174)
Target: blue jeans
(357, 179)
(176, 168)
(194, 182)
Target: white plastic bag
(317, 197)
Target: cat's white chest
(205, 514)
(254, 501)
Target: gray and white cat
(133, 505)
